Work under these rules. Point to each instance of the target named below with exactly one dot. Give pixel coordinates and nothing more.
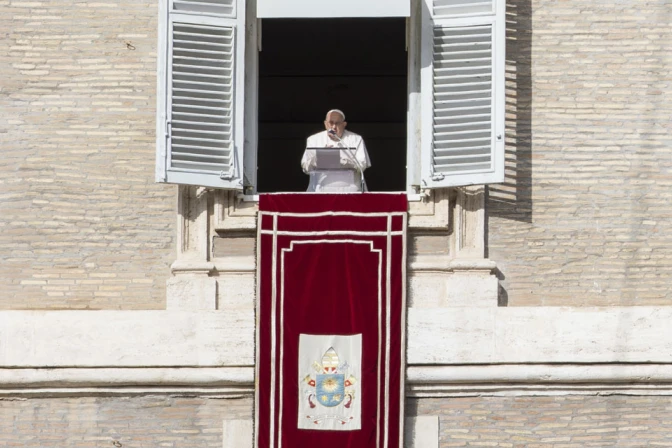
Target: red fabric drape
(330, 265)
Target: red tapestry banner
(331, 293)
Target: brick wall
(507, 422)
(550, 422)
(104, 422)
(82, 224)
(585, 217)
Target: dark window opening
(308, 66)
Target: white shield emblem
(330, 387)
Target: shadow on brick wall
(512, 199)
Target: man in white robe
(354, 161)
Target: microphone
(335, 136)
(349, 155)
(333, 133)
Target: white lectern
(328, 161)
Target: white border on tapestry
(402, 325)
(282, 290)
(318, 214)
(274, 305)
(388, 301)
(258, 335)
(331, 232)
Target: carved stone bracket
(470, 222)
(472, 281)
(233, 213)
(191, 287)
(433, 212)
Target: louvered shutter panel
(225, 8)
(201, 103)
(463, 93)
(461, 8)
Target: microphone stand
(352, 157)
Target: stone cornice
(422, 381)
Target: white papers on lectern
(330, 158)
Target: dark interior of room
(309, 66)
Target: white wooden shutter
(201, 93)
(463, 92)
(225, 8)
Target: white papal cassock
(335, 181)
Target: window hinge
(438, 176)
(226, 175)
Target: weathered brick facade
(551, 422)
(82, 223)
(506, 422)
(103, 422)
(584, 218)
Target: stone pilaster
(472, 281)
(192, 287)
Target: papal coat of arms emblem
(329, 390)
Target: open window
(309, 66)
(239, 94)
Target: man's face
(335, 122)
